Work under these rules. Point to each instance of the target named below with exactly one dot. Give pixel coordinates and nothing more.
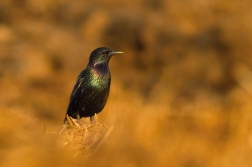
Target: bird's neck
(101, 70)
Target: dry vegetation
(81, 139)
(180, 95)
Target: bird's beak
(116, 52)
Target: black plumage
(91, 89)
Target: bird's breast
(100, 79)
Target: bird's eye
(105, 52)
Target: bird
(91, 89)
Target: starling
(91, 89)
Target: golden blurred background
(180, 94)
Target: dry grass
(82, 138)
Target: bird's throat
(100, 75)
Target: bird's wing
(77, 85)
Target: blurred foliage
(180, 95)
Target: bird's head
(101, 55)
